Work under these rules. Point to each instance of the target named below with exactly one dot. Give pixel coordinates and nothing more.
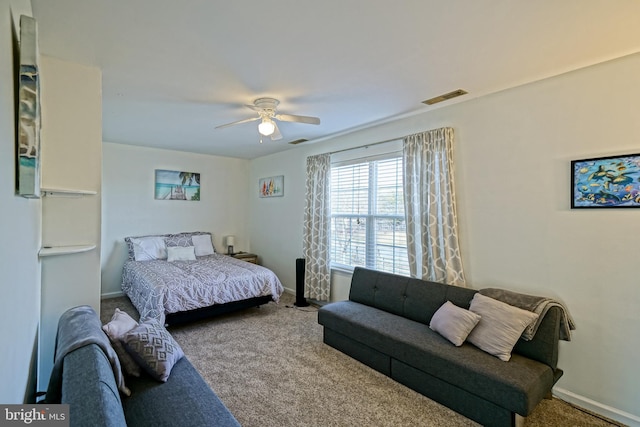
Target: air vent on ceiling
(298, 141)
(445, 97)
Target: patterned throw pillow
(120, 324)
(181, 239)
(153, 347)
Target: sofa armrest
(88, 386)
(543, 347)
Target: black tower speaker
(300, 299)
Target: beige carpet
(270, 368)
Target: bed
(179, 277)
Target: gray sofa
(384, 324)
(84, 378)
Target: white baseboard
(111, 295)
(597, 407)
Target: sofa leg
(518, 420)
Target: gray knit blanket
(78, 327)
(536, 304)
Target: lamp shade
(266, 127)
(231, 240)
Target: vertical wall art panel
(28, 152)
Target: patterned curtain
(430, 207)
(317, 228)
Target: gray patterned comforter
(160, 287)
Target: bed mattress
(158, 287)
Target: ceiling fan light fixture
(266, 127)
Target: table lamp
(230, 242)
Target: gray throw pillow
(500, 327)
(453, 322)
(153, 347)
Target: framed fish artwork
(606, 182)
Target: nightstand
(245, 256)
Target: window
(367, 215)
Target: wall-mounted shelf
(64, 250)
(66, 192)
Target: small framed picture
(606, 182)
(271, 187)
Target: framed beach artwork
(177, 185)
(271, 187)
(28, 106)
(606, 182)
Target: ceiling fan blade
(253, 119)
(276, 135)
(298, 119)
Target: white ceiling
(174, 70)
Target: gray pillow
(500, 327)
(153, 347)
(181, 239)
(453, 322)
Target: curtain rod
(375, 143)
(367, 145)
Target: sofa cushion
(517, 385)
(411, 298)
(500, 327)
(453, 322)
(184, 400)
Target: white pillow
(202, 244)
(116, 329)
(181, 253)
(149, 248)
(453, 322)
(500, 327)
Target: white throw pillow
(116, 329)
(500, 327)
(181, 253)
(149, 248)
(453, 322)
(202, 244)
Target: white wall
(512, 155)
(71, 159)
(129, 207)
(20, 229)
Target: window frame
(371, 217)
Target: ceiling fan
(266, 109)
